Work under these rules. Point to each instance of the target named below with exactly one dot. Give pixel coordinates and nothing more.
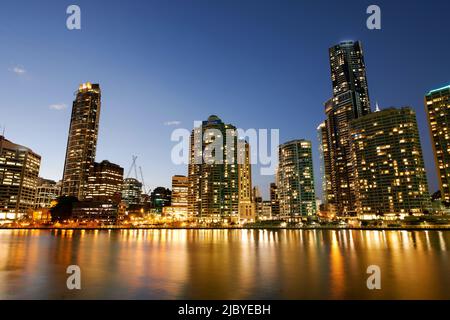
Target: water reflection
(224, 264)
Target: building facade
(19, 171)
(325, 164)
(265, 211)
(246, 205)
(213, 171)
(296, 179)
(131, 191)
(390, 174)
(274, 199)
(258, 201)
(105, 213)
(180, 185)
(47, 191)
(160, 197)
(82, 140)
(437, 105)
(105, 182)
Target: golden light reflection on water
(224, 264)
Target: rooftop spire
(377, 108)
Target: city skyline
(147, 128)
(225, 158)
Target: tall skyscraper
(246, 205)
(348, 73)
(180, 185)
(350, 101)
(213, 185)
(82, 140)
(296, 179)
(437, 105)
(19, 170)
(390, 175)
(105, 182)
(341, 193)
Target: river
(224, 264)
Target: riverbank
(382, 228)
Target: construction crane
(143, 182)
(134, 168)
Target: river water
(224, 264)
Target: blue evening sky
(256, 64)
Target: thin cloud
(172, 123)
(19, 70)
(58, 106)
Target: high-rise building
(348, 73)
(180, 185)
(437, 104)
(47, 191)
(105, 182)
(131, 191)
(296, 179)
(213, 171)
(19, 170)
(341, 193)
(389, 170)
(325, 164)
(274, 199)
(246, 205)
(82, 140)
(350, 101)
